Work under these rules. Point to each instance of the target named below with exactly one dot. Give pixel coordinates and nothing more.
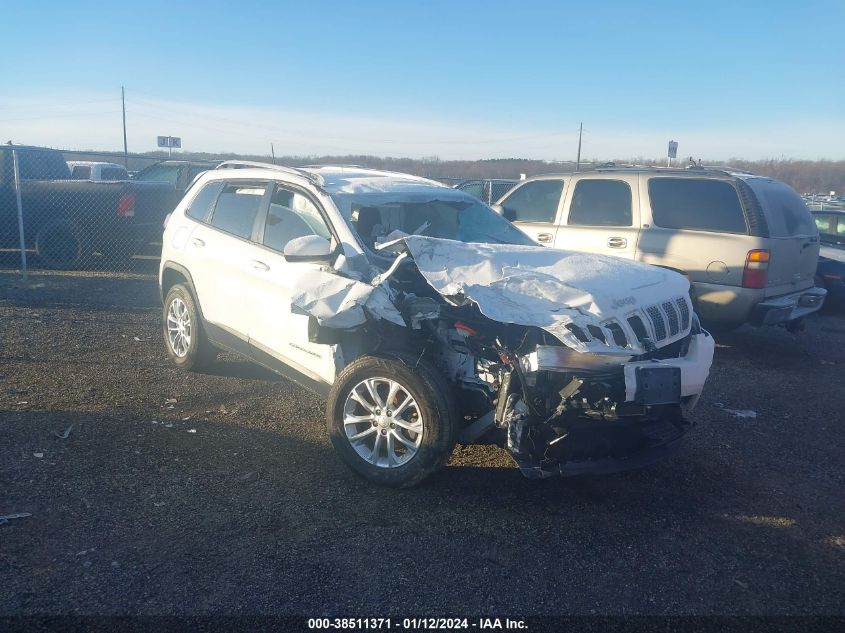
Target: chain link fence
(488, 190)
(86, 211)
(103, 211)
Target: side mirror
(308, 248)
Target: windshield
(381, 217)
(160, 173)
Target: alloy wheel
(383, 423)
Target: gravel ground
(219, 493)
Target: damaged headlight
(557, 358)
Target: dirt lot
(220, 494)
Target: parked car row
(177, 173)
(72, 210)
(564, 328)
(67, 220)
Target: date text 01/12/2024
(416, 624)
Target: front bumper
(788, 307)
(658, 393)
(694, 369)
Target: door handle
(617, 242)
(259, 265)
(198, 242)
(545, 238)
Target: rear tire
(184, 335)
(59, 247)
(396, 447)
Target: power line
(286, 130)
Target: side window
(601, 203)
(203, 202)
(35, 164)
(786, 212)
(113, 173)
(697, 204)
(81, 172)
(237, 207)
(826, 224)
(535, 201)
(291, 215)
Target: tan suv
(747, 244)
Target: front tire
(391, 419)
(184, 336)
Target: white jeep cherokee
(426, 319)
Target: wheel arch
(172, 274)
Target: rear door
(220, 255)
(535, 208)
(793, 237)
(696, 225)
(602, 216)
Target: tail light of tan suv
(756, 269)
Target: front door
(534, 207)
(275, 328)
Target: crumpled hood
(543, 287)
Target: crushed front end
(622, 403)
(576, 363)
(574, 413)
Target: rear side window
(113, 173)
(203, 202)
(697, 204)
(786, 213)
(601, 203)
(81, 172)
(237, 207)
(291, 215)
(35, 164)
(535, 201)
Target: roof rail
(252, 164)
(369, 171)
(318, 166)
(728, 169)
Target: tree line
(806, 176)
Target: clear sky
(454, 79)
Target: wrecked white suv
(427, 319)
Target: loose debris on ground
(131, 488)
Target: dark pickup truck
(69, 221)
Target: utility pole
(578, 160)
(273, 153)
(125, 149)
